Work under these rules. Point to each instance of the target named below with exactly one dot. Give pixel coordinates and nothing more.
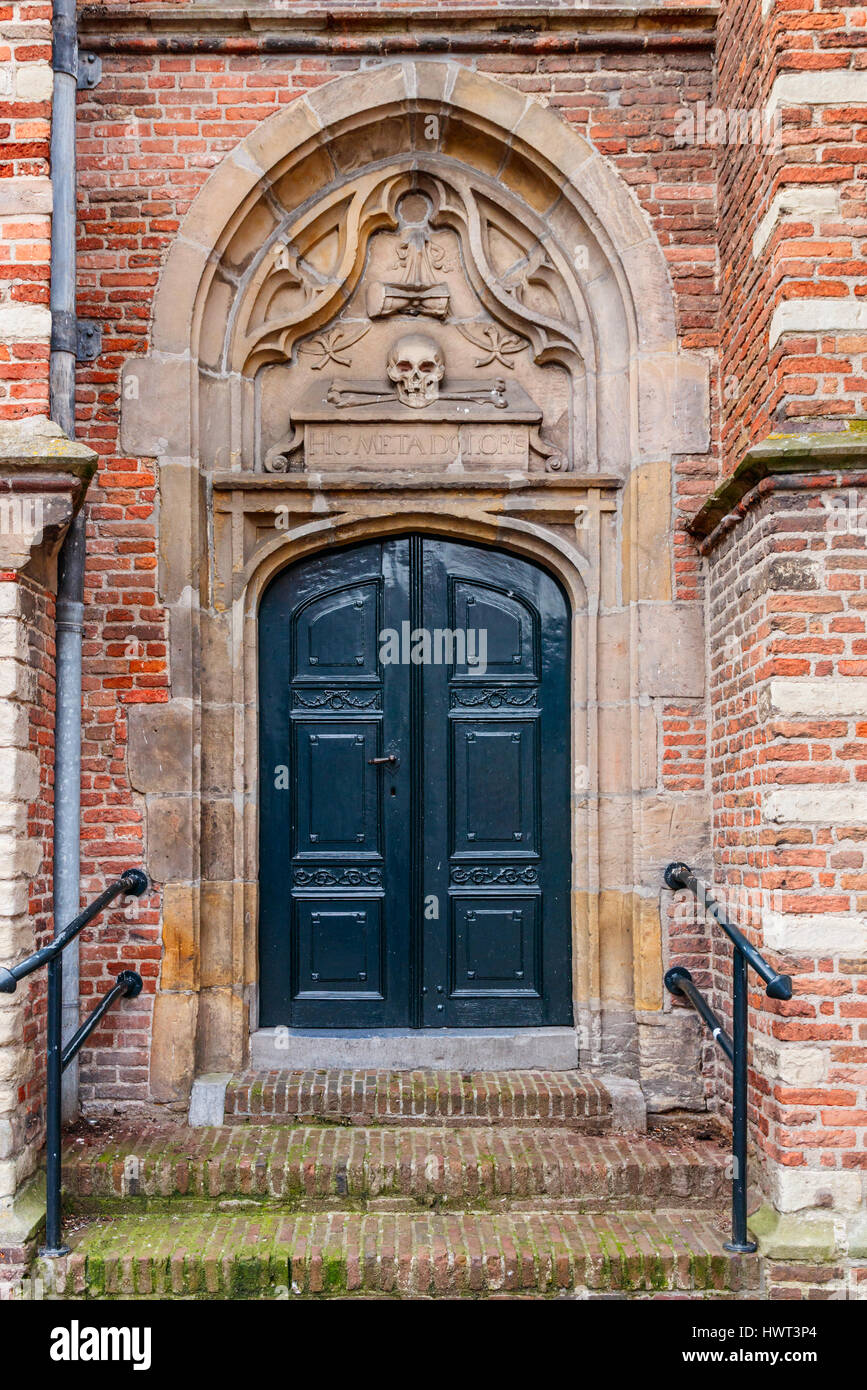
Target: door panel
(495, 946)
(339, 946)
(432, 891)
(328, 756)
(496, 829)
(335, 634)
(495, 767)
(511, 642)
(332, 922)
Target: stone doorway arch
(560, 288)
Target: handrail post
(54, 1024)
(739, 1243)
(132, 883)
(679, 981)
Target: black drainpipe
(70, 576)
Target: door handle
(391, 758)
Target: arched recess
(335, 161)
(565, 292)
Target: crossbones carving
(346, 397)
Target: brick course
(320, 1163)
(421, 1256)
(795, 611)
(415, 1097)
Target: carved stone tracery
(348, 282)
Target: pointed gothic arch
(559, 282)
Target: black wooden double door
(414, 813)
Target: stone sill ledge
(36, 445)
(777, 456)
(45, 476)
(242, 481)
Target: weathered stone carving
(416, 366)
(535, 268)
(405, 420)
(496, 294)
(496, 345)
(365, 423)
(419, 257)
(333, 345)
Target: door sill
(398, 1049)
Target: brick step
(550, 1098)
(341, 1254)
(433, 1166)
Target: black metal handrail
(679, 981)
(132, 883)
(128, 985)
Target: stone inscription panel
(416, 446)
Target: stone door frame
(380, 508)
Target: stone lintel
(833, 455)
(239, 481)
(215, 26)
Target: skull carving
(416, 366)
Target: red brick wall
(798, 607)
(684, 746)
(815, 377)
(25, 111)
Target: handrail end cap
(676, 875)
(673, 978)
(132, 983)
(136, 882)
(8, 982)
(780, 987)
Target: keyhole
(393, 792)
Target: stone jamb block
(671, 650)
(783, 1237)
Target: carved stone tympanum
(368, 386)
(413, 417)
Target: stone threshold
(419, 1049)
